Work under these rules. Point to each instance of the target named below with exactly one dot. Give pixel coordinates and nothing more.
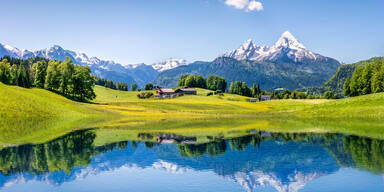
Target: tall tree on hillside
(41, 73)
(347, 88)
(66, 72)
(378, 81)
(83, 83)
(254, 90)
(5, 71)
(355, 86)
(52, 80)
(23, 79)
(134, 87)
(14, 74)
(148, 86)
(365, 80)
(182, 81)
(216, 83)
(245, 91)
(231, 88)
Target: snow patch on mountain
(169, 64)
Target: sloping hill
(37, 114)
(336, 82)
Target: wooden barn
(265, 98)
(187, 91)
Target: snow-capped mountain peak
(247, 45)
(287, 49)
(246, 51)
(169, 64)
(287, 40)
(10, 48)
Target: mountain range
(129, 73)
(286, 64)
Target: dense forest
(63, 77)
(336, 82)
(110, 84)
(216, 83)
(213, 83)
(366, 79)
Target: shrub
(330, 95)
(144, 95)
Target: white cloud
(238, 4)
(255, 6)
(245, 4)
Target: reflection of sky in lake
(274, 165)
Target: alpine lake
(177, 156)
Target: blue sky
(135, 31)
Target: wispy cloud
(245, 5)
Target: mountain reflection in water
(260, 160)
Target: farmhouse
(170, 93)
(187, 91)
(164, 91)
(253, 100)
(265, 98)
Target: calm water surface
(260, 161)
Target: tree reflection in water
(77, 149)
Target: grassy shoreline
(37, 115)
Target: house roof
(188, 89)
(265, 96)
(166, 90)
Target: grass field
(36, 115)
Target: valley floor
(36, 115)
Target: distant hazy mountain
(287, 64)
(129, 73)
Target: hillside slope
(336, 82)
(37, 114)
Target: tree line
(213, 82)
(112, 85)
(63, 77)
(366, 79)
(217, 83)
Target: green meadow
(37, 115)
